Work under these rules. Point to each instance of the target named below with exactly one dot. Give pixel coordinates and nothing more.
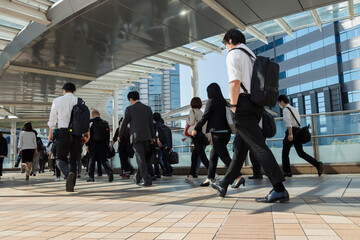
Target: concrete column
(13, 142)
(195, 78)
(327, 99)
(115, 111)
(301, 104)
(314, 102)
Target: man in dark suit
(142, 133)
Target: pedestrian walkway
(320, 208)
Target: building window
(307, 100)
(295, 103)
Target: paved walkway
(320, 208)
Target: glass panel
(339, 149)
(299, 20)
(333, 12)
(269, 28)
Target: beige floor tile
(94, 235)
(289, 232)
(198, 236)
(291, 238)
(319, 232)
(144, 236)
(171, 236)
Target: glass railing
(335, 139)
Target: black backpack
(268, 125)
(264, 81)
(80, 118)
(101, 131)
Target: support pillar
(195, 78)
(301, 104)
(115, 111)
(13, 143)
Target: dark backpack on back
(264, 81)
(80, 118)
(168, 134)
(268, 125)
(101, 131)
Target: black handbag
(173, 157)
(130, 150)
(304, 135)
(110, 153)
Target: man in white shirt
(67, 143)
(292, 122)
(247, 117)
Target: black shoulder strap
(250, 56)
(80, 101)
(294, 116)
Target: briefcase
(173, 157)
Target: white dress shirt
(61, 110)
(27, 140)
(240, 66)
(289, 120)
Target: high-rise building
(161, 92)
(319, 70)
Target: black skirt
(27, 155)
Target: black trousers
(67, 144)
(124, 159)
(198, 152)
(1, 165)
(255, 164)
(219, 149)
(141, 149)
(98, 154)
(249, 137)
(299, 150)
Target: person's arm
(287, 121)
(20, 141)
(152, 127)
(234, 93)
(52, 120)
(124, 123)
(207, 114)
(191, 120)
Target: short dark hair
(134, 95)
(235, 35)
(196, 102)
(28, 127)
(157, 117)
(283, 98)
(69, 87)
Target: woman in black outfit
(3, 151)
(217, 125)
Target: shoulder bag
(304, 135)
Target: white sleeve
(20, 140)
(53, 115)
(233, 68)
(191, 118)
(287, 117)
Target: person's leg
(102, 149)
(255, 165)
(91, 168)
(220, 142)
(194, 162)
(99, 169)
(200, 149)
(1, 166)
(285, 155)
(212, 164)
(167, 164)
(157, 170)
(300, 151)
(62, 151)
(123, 158)
(141, 149)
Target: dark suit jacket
(91, 143)
(3, 147)
(141, 123)
(215, 116)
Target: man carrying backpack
(70, 134)
(240, 62)
(98, 145)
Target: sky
(212, 69)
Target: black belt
(64, 129)
(244, 95)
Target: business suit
(215, 116)
(142, 132)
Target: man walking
(98, 145)
(142, 133)
(292, 122)
(247, 117)
(67, 142)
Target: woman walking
(3, 151)
(218, 127)
(200, 140)
(27, 146)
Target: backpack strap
(250, 56)
(294, 116)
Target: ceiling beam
(24, 104)
(28, 119)
(316, 18)
(3, 44)
(7, 33)
(351, 9)
(154, 64)
(128, 74)
(186, 52)
(207, 46)
(10, 18)
(51, 73)
(23, 12)
(176, 58)
(141, 69)
(234, 20)
(281, 22)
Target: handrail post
(315, 142)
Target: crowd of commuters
(144, 135)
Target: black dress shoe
(145, 184)
(287, 174)
(205, 184)
(320, 169)
(237, 184)
(153, 178)
(111, 177)
(256, 177)
(274, 196)
(158, 176)
(70, 182)
(220, 190)
(90, 180)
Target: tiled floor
(320, 208)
